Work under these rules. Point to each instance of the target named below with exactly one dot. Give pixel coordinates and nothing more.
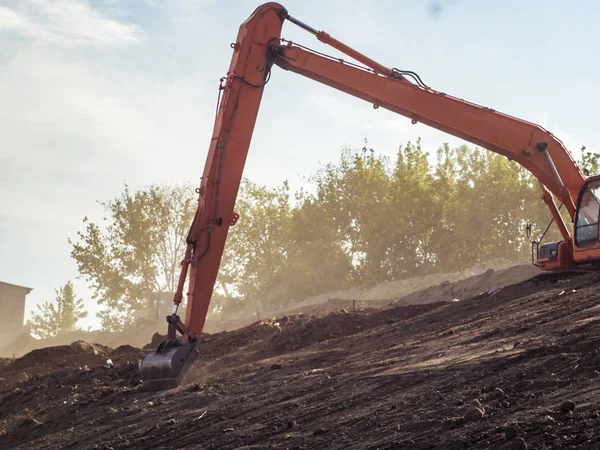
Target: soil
(510, 368)
(493, 275)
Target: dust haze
(432, 288)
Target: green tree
(60, 316)
(488, 201)
(256, 249)
(355, 194)
(414, 215)
(367, 218)
(318, 261)
(420, 215)
(135, 250)
(589, 161)
(278, 252)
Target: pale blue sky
(93, 94)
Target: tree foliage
(366, 218)
(135, 250)
(590, 161)
(413, 216)
(60, 316)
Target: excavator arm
(241, 91)
(526, 143)
(258, 47)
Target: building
(12, 311)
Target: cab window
(586, 226)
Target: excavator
(258, 47)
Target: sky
(95, 94)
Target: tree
(487, 202)
(256, 248)
(589, 161)
(355, 194)
(278, 252)
(368, 218)
(138, 250)
(416, 215)
(60, 316)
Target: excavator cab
(588, 215)
(586, 239)
(583, 249)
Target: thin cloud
(66, 23)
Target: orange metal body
(257, 48)
(226, 158)
(514, 138)
(564, 260)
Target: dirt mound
(295, 332)
(136, 336)
(503, 369)
(40, 403)
(488, 282)
(432, 288)
(124, 350)
(78, 352)
(79, 356)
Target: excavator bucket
(166, 367)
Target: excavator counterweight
(257, 49)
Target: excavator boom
(258, 47)
(511, 137)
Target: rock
(195, 387)
(476, 403)
(504, 404)
(473, 414)
(171, 422)
(228, 430)
(84, 347)
(567, 406)
(519, 444)
(275, 366)
(511, 432)
(549, 419)
(497, 393)
(319, 431)
(30, 422)
(291, 424)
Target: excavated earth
(517, 368)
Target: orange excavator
(258, 47)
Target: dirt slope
(430, 288)
(400, 378)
